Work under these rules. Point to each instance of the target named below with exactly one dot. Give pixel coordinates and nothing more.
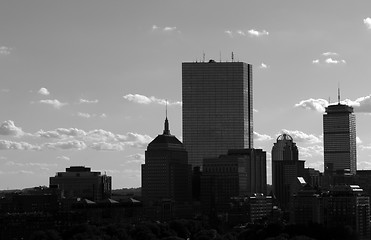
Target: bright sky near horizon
(85, 82)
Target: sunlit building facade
(339, 139)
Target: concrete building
(240, 173)
(166, 175)
(217, 108)
(286, 168)
(81, 182)
(339, 139)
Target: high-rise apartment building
(286, 168)
(339, 139)
(217, 108)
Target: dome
(284, 137)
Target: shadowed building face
(217, 108)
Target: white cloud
(310, 151)
(367, 22)
(136, 140)
(84, 115)
(334, 61)
(8, 128)
(299, 136)
(263, 66)
(10, 145)
(5, 50)
(329, 58)
(261, 137)
(68, 145)
(88, 101)
(60, 133)
(330, 54)
(106, 146)
(103, 115)
(63, 158)
(164, 29)
(43, 91)
(359, 141)
(141, 99)
(55, 103)
(229, 33)
(360, 105)
(256, 33)
(318, 105)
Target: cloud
(84, 115)
(299, 136)
(251, 33)
(330, 54)
(88, 101)
(334, 61)
(261, 137)
(359, 141)
(55, 103)
(229, 33)
(43, 91)
(67, 145)
(106, 146)
(318, 105)
(164, 29)
(141, 99)
(256, 33)
(63, 158)
(310, 151)
(8, 128)
(360, 105)
(367, 22)
(60, 133)
(4, 51)
(263, 66)
(10, 145)
(4, 90)
(136, 140)
(329, 58)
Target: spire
(339, 93)
(166, 128)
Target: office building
(81, 182)
(240, 173)
(286, 168)
(339, 139)
(217, 108)
(347, 205)
(166, 175)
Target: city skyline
(86, 83)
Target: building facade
(339, 139)
(217, 108)
(286, 168)
(238, 174)
(81, 182)
(166, 175)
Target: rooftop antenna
(220, 56)
(232, 57)
(166, 128)
(203, 56)
(338, 93)
(166, 108)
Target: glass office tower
(217, 108)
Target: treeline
(195, 230)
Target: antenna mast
(338, 93)
(232, 57)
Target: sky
(85, 83)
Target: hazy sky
(85, 82)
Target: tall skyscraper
(339, 139)
(286, 168)
(217, 108)
(166, 175)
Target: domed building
(286, 168)
(166, 175)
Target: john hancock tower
(217, 108)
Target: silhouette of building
(217, 108)
(166, 176)
(240, 173)
(286, 167)
(81, 182)
(339, 139)
(346, 205)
